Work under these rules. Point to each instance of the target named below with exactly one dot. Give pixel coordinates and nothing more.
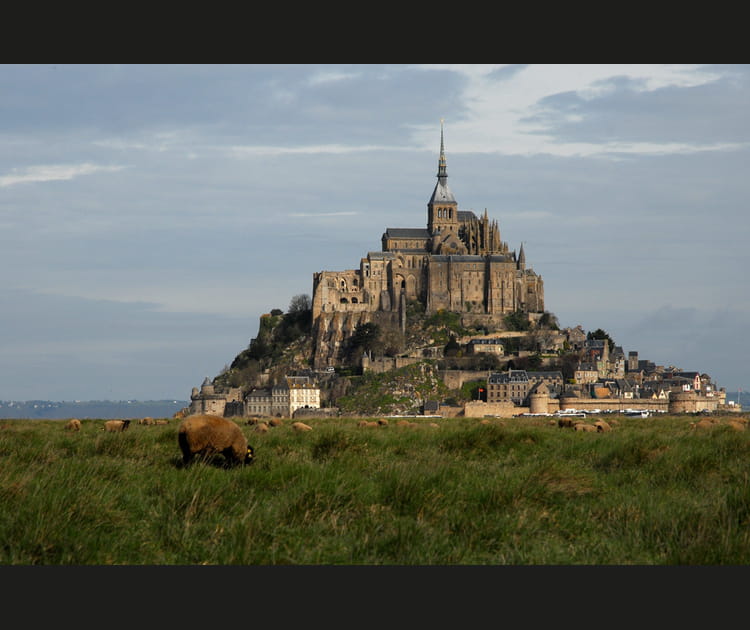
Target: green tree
(549, 320)
(518, 320)
(301, 302)
(602, 334)
(365, 338)
(452, 348)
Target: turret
(521, 263)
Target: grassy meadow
(516, 491)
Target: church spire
(442, 168)
(442, 209)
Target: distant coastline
(88, 409)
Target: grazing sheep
(403, 423)
(74, 424)
(602, 426)
(362, 423)
(147, 421)
(207, 435)
(383, 422)
(275, 422)
(736, 425)
(584, 426)
(261, 427)
(161, 422)
(301, 426)
(701, 424)
(116, 426)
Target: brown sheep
(602, 426)
(736, 425)
(584, 426)
(207, 435)
(146, 421)
(161, 422)
(383, 422)
(74, 424)
(116, 426)
(301, 426)
(275, 422)
(261, 427)
(701, 424)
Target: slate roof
(407, 233)
(511, 376)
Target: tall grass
(518, 491)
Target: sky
(149, 214)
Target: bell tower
(442, 209)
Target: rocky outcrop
(331, 331)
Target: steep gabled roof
(407, 233)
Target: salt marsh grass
(515, 491)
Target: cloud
(332, 149)
(541, 109)
(51, 173)
(331, 77)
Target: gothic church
(457, 263)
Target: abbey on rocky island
(457, 263)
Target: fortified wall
(681, 402)
(208, 401)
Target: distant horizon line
(97, 400)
